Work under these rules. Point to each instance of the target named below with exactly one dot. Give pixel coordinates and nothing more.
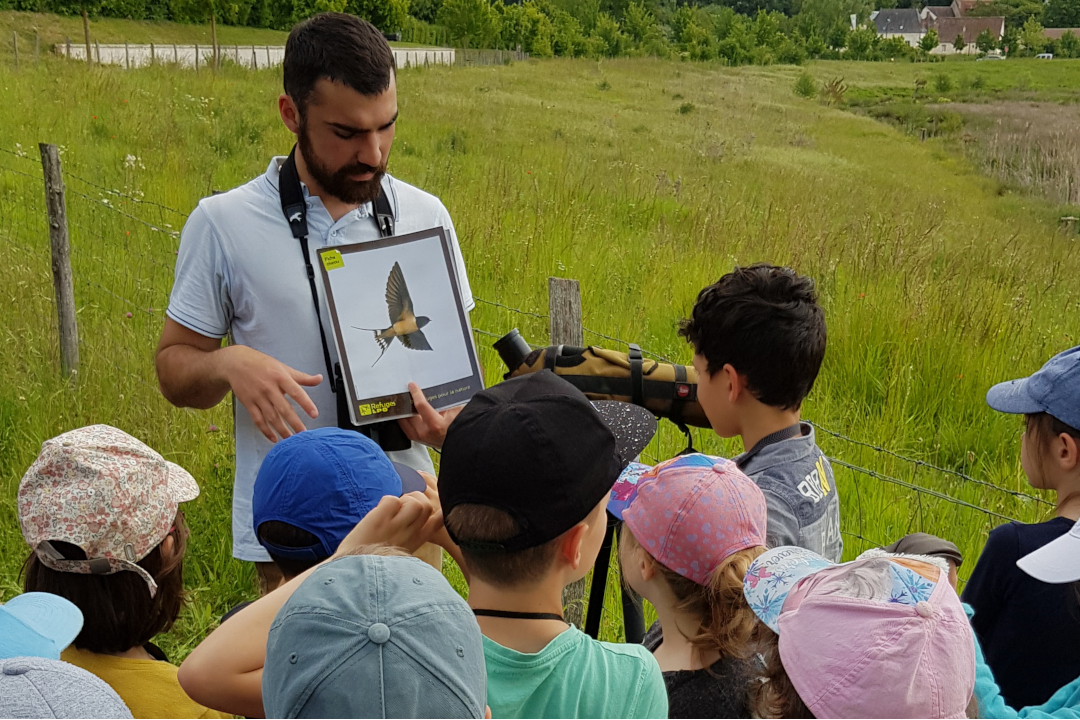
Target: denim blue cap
(1054, 389)
(38, 624)
(375, 637)
(325, 481)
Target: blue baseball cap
(37, 624)
(368, 636)
(1054, 389)
(325, 481)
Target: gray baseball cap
(33, 687)
(375, 637)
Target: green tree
(471, 23)
(1061, 14)
(929, 41)
(861, 42)
(387, 15)
(837, 36)
(1069, 45)
(1032, 36)
(612, 40)
(985, 42)
(825, 15)
(958, 43)
(640, 24)
(426, 10)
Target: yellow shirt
(148, 687)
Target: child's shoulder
(1017, 538)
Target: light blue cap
(368, 636)
(38, 624)
(1054, 389)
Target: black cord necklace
(518, 615)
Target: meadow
(645, 180)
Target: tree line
(737, 32)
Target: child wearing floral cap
(691, 528)
(101, 514)
(879, 637)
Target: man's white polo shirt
(240, 272)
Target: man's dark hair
(766, 323)
(481, 523)
(118, 612)
(340, 47)
(286, 535)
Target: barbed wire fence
(123, 250)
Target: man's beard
(337, 182)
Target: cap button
(378, 633)
(17, 667)
(924, 609)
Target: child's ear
(1068, 452)
(168, 547)
(646, 564)
(570, 546)
(736, 384)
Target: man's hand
(263, 385)
(429, 425)
(407, 522)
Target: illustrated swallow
(405, 324)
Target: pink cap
(691, 512)
(873, 638)
(100, 489)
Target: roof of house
(938, 11)
(965, 6)
(1056, 33)
(895, 21)
(969, 27)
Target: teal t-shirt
(575, 677)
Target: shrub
(686, 108)
(805, 87)
(942, 82)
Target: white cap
(1057, 561)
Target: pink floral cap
(691, 512)
(100, 489)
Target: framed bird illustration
(398, 316)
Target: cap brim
(1013, 397)
(632, 425)
(1057, 561)
(182, 485)
(773, 575)
(411, 480)
(50, 616)
(625, 489)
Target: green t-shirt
(575, 677)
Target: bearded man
(241, 273)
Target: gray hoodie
(800, 492)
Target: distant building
(902, 23)
(1056, 33)
(970, 28)
(932, 13)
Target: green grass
(934, 285)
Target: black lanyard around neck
(294, 207)
(514, 615)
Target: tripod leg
(599, 580)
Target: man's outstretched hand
(264, 385)
(429, 425)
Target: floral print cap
(106, 492)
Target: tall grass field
(645, 180)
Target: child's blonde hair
(727, 624)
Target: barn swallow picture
(405, 324)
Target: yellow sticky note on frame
(332, 260)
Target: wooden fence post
(97, 47)
(196, 58)
(15, 44)
(37, 47)
(127, 56)
(67, 43)
(63, 284)
(176, 55)
(564, 309)
(254, 59)
(152, 58)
